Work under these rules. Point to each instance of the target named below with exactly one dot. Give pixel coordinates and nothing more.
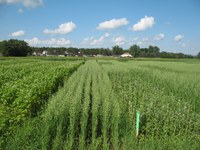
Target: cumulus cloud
(145, 41)
(159, 37)
(20, 11)
(87, 40)
(92, 41)
(57, 42)
(100, 40)
(62, 29)
(120, 40)
(112, 24)
(178, 38)
(133, 40)
(183, 45)
(144, 23)
(34, 41)
(26, 3)
(49, 42)
(18, 33)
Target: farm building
(44, 53)
(126, 55)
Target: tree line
(15, 47)
(134, 50)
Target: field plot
(168, 96)
(26, 84)
(96, 108)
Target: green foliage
(134, 50)
(174, 55)
(198, 55)
(14, 47)
(96, 108)
(116, 50)
(25, 88)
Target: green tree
(117, 50)
(153, 51)
(15, 47)
(198, 55)
(1, 48)
(134, 50)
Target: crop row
(96, 109)
(84, 114)
(25, 87)
(167, 96)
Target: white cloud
(143, 24)
(20, 11)
(18, 33)
(100, 40)
(50, 42)
(120, 40)
(62, 29)
(183, 45)
(159, 37)
(112, 24)
(106, 35)
(87, 40)
(92, 41)
(97, 42)
(178, 38)
(26, 3)
(133, 40)
(144, 41)
(139, 43)
(34, 41)
(57, 42)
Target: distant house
(68, 54)
(37, 53)
(44, 53)
(99, 55)
(126, 55)
(34, 54)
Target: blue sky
(173, 25)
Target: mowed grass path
(96, 108)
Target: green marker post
(137, 123)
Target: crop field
(92, 104)
(26, 84)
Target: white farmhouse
(126, 55)
(44, 53)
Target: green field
(50, 104)
(26, 85)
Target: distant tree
(174, 55)
(72, 50)
(156, 49)
(134, 50)
(143, 52)
(198, 55)
(107, 52)
(1, 48)
(15, 47)
(117, 50)
(153, 51)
